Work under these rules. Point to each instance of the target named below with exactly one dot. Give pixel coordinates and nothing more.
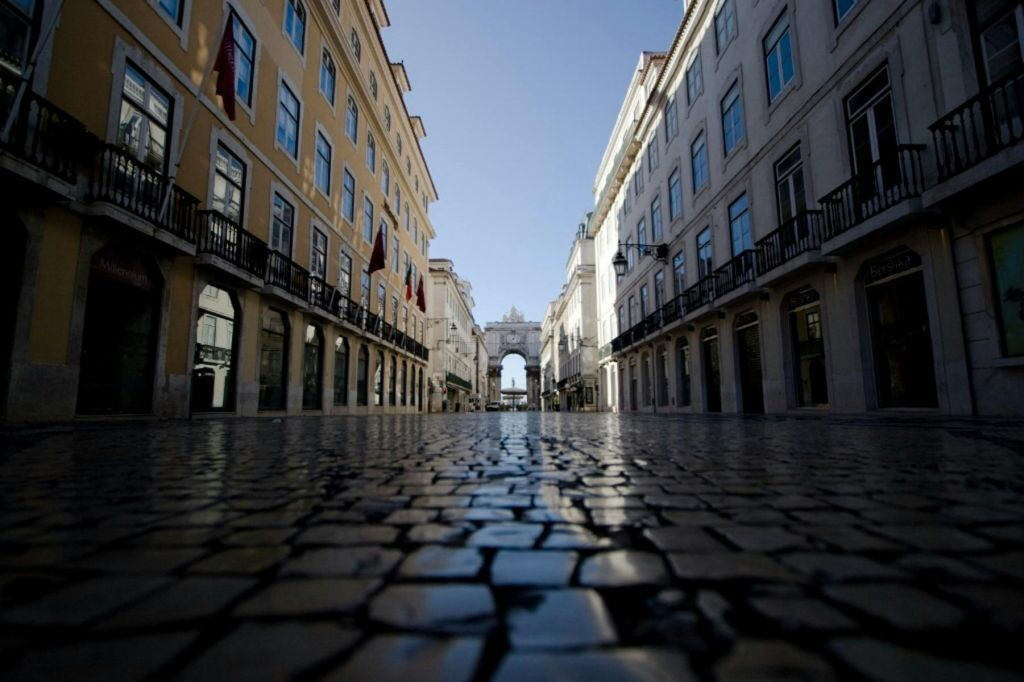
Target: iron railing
(738, 270)
(42, 134)
(284, 274)
(980, 127)
(673, 310)
(222, 237)
(799, 234)
(320, 294)
(701, 293)
(887, 182)
(121, 179)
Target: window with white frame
(656, 231)
(387, 117)
(732, 118)
(652, 154)
(367, 220)
(371, 153)
(174, 9)
(675, 195)
(345, 274)
(406, 216)
(328, 76)
(739, 225)
(679, 272)
(394, 255)
(373, 84)
(322, 165)
(694, 80)
(725, 25)
(1000, 27)
(778, 57)
(228, 184)
(318, 254)
(789, 185)
(385, 179)
(671, 120)
(144, 124)
(364, 288)
(348, 196)
(842, 8)
(282, 224)
(245, 61)
(288, 120)
(295, 24)
(699, 162)
(641, 233)
(352, 120)
(705, 258)
(357, 47)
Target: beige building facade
(836, 185)
(453, 365)
(167, 260)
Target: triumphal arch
(513, 335)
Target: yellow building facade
(167, 260)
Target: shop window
(312, 368)
(1006, 248)
(273, 360)
(341, 371)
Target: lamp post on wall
(619, 262)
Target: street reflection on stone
(514, 547)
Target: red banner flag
(408, 283)
(379, 258)
(421, 297)
(225, 68)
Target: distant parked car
(493, 406)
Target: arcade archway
(513, 336)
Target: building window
(352, 120)
(312, 368)
(631, 311)
(328, 76)
(273, 353)
(228, 184)
(348, 196)
(872, 129)
(1005, 249)
(725, 25)
(341, 371)
(644, 302)
(683, 364)
(652, 154)
(406, 215)
(384, 233)
(671, 120)
(394, 255)
(778, 57)
(694, 80)
(362, 376)
(295, 24)
(373, 85)
(387, 118)
(789, 185)
(288, 120)
(699, 162)
(641, 234)
(357, 48)
(704, 255)
(739, 225)
(385, 178)
(322, 171)
(398, 139)
(245, 61)
(144, 124)
(732, 118)
(656, 219)
(364, 289)
(843, 8)
(679, 273)
(638, 181)
(675, 196)
(318, 254)
(281, 227)
(659, 289)
(382, 300)
(345, 274)
(1000, 25)
(371, 153)
(398, 200)
(405, 379)
(368, 220)
(172, 8)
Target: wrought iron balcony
(284, 274)
(456, 380)
(43, 134)
(321, 294)
(799, 234)
(225, 239)
(739, 270)
(673, 310)
(653, 321)
(120, 179)
(985, 124)
(889, 181)
(701, 293)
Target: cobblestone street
(514, 547)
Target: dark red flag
(408, 283)
(379, 258)
(421, 298)
(225, 68)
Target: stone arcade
(515, 336)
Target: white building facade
(453, 360)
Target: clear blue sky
(518, 98)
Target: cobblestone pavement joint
(514, 547)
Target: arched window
(352, 120)
(378, 380)
(362, 376)
(213, 374)
(312, 368)
(341, 371)
(273, 360)
(392, 381)
(373, 84)
(405, 377)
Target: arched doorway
(118, 357)
(341, 371)
(512, 379)
(748, 349)
(363, 376)
(12, 264)
(213, 369)
(312, 368)
(273, 359)
(683, 373)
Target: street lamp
(619, 262)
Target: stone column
(533, 387)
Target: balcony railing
(673, 310)
(320, 294)
(799, 234)
(886, 183)
(386, 331)
(701, 293)
(121, 179)
(225, 239)
(455, 379)
(980, 127)
(653, 321)
(284, 274)
(43, 134)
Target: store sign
(890, 265)
(123, 268)
(1007, 248)
(800, 298)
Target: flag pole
(187, 129)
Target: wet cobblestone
(514, 547)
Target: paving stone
(410, 516)
(760, 539)
(434, 532)
(506, 535)
(348, 535)
(941, 567)
(683, 539)
(258, 651)
(559, 619)
(433, 561)
(503, 501)
(839, 567)
(900, 606)
(477, 514)
(885, 662)
(309, 596)
(347, 562)
(729, 566)
(639, 664)
(130, 658)
(141, 560)
(795, 613)
(79, 603)
(556, 515)
(693, 518)
(850, 539)
(1009, 563)
(623, 568)
(440, 608)
(574, 537)
(190, 598)
(401, 658)
(526, 567)
(935, 538)
(763, 660)
(244, 561)
(442, 501)
(262, 537)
